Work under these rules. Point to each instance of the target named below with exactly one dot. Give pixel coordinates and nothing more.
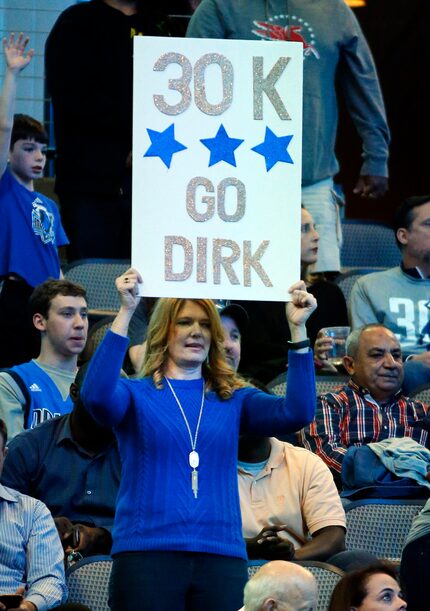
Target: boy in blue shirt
(30, 227)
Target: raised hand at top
(16, 54)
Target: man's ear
(269, 605)
(402, 235)
(39, 322)
(348, 363)
(74, 392)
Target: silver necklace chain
(193, 457)
(193, 443)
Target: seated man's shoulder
(29, 506)
(300, 456)
(375, 278)
(336, 396)
(40, 434)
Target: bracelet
(297, 345)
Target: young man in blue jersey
(38, 390)
(30, 227)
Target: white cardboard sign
(217, 167)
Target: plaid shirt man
(353, 417)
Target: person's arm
(82, 538)
(46, 586)
(322, 512)
(267, 415)
(323, 434)
(324, 543)
(268, 545)
(103, 392)
(17, 59)
(12, 402)
(359, 83)
(21, 462)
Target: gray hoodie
(333, 43)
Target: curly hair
(218, 375)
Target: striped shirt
(30, 550)
(353, 417)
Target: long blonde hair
(218, 376)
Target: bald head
(282, 586)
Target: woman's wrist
(122, 320)
(298, 333)
(301, 345)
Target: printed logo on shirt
(35, 388)
(284, 27)
(412, 324)
(42, 222)
(41, 415)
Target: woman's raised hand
(299, 309)
(127, 287)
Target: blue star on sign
(274, 149)
(164, 145)
(222, 147)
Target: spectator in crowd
(334, 50)
(72, 464)
(371, 407)
(235, 321)
(374, 588)
(186, 412)
(38, 390)
(30, 228)
(93, 118)
(416, 560)
(31, 557)
(399, 297)
(289, 503)
(281, 585)
(264, 351)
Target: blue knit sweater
(156, 509)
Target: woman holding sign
(177, 540)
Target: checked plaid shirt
(353, 417)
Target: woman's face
(190, 338)
(309, 239)
(383, 594)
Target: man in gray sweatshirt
(333, 47)
(399, 297)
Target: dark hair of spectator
(351, 590)
(27, 128)
(43, 294)
(3, 432)
(404, 214)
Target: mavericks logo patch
(42, 222)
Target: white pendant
(193, 459)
